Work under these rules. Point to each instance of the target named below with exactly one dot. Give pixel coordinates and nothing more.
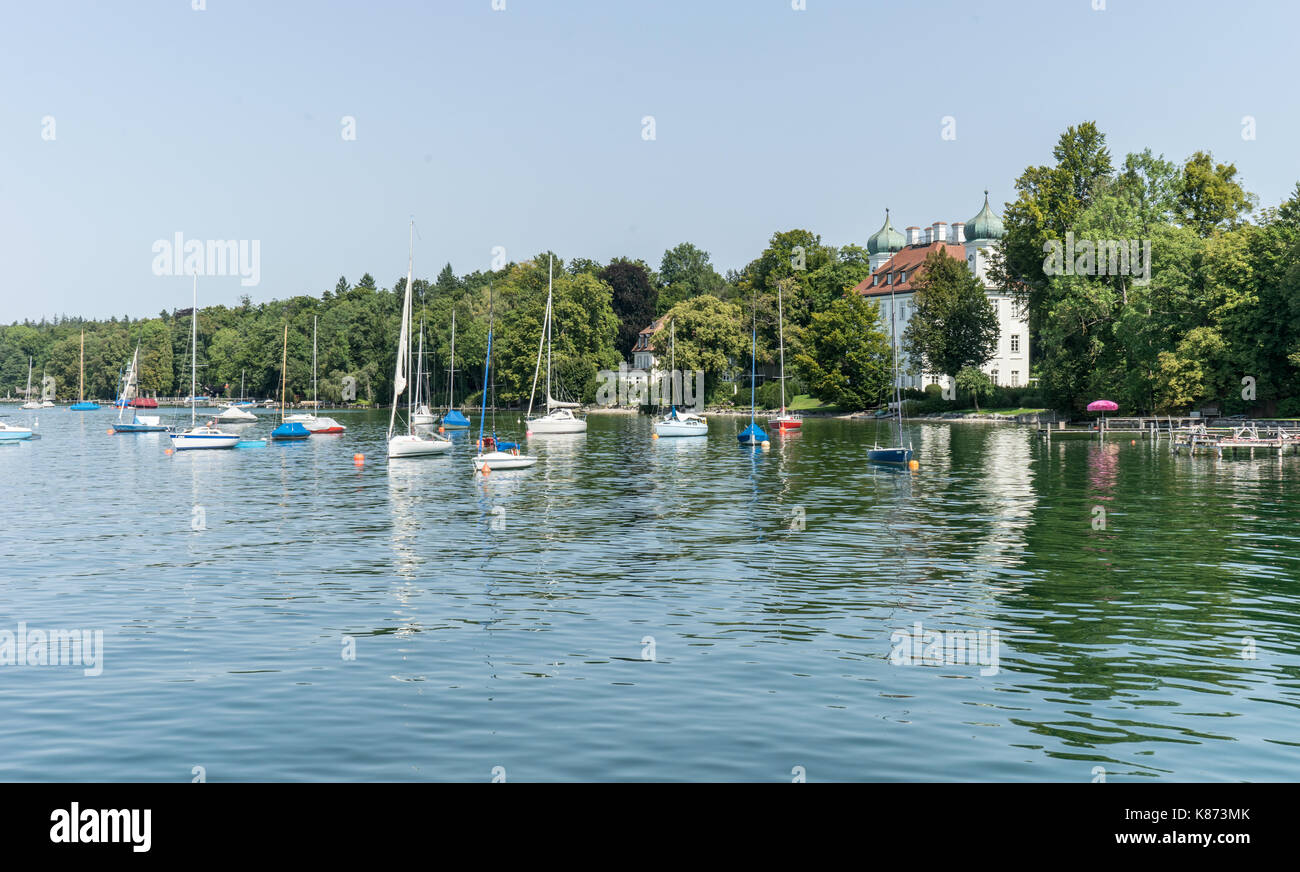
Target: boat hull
(889, 455)
(503, 460)
(139, 428)
(190, 441)
(549, 425)
(681, 428)
(14, 434)
(783, 425)
(290, 431)
(83, 407)
(417, 446)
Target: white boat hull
(681, 428)
(556, 424)
(503, 460)
(417, 446)
(232, 415)
(31, 404)
(189, 441)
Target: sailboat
(47, 402)
(82, 405)
(899, 454)
(677, 423)
(411, 443)
(494, 454)
(288, 431)
(559, 417)
(453, 419)
(30, 404)
(315, 424)
(753, 434)
(422, 417)
(206, 436)
(235, 413)
(785, 420)
(130, 385)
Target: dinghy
(30, 404)
(453, 419)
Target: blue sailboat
(288, 431)
(82, 404)
(453, 419)
(897, 454)
(753, 434)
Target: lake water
(633, 608)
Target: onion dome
(985, 225)
(886, 240)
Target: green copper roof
(985, 225)
(886, 239)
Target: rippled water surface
(633, 608)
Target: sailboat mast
(314, 401)
(399, 377)
(893, 333)
(753, 354)
(550, 267)
(780, 321)
(29, 380)
(194, 350)
(81, 371)
(487, 368)
(284, 366)
(672, 365)
(451, 371)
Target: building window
(1015, 378)
(1015, 343)
(875, 281)
(902, 276)
(994, 376)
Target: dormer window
(902, 276)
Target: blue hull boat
(890, 455)
(752, 435)
(290, 432)
(83, 407)
(454, 420)
(140, 428)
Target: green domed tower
(883, 243)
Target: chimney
(940, 231)
(913, 235)
(958, 232)
(925, 236)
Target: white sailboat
(559, 417)
(785, 421)
(205, 436)
(493, 453)
(315, 424)
(411, 443)
(47, 401)
(235, 413)
(30, 404)
(422, 417)
(677, 423)
(130, 390)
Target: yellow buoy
(654, 435)
(914, 465)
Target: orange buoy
(486, 469)
(168, 450)
(914, 465)
(1132, 442)
(109, 431)
(358, 459)
(440, 430)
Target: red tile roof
(908, 260)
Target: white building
(896, 261)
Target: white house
(896, 261)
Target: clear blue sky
(522, 128)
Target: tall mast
(451, 372)
(753, 354)
(549, 272)
(487, 368)
(284, 365)
(81, 371)
(194, 350)
(29, 380)
(314, 401)
(403, 341)
(672, 364)
(893, 334)
(780, 321)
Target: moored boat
(412, 443)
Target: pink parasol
(1103, 406)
